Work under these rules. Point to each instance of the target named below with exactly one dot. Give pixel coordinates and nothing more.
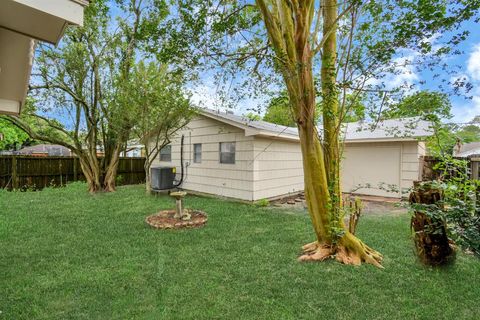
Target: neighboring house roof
(47, 149)
(386, 130)
(467, 149)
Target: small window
(166, 153)
(197, 153)
(227, 152)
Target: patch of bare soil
(371, 205)
(165, 220)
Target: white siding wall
(388, 162)
(278, 168)
(371, 168)
(410, 166)
(211, 176)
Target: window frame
(220, 152)
(169, 154)
(195, 153)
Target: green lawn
(67, 255)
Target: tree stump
(430, 231)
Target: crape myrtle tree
(340, 35)
(79, 83)
(332, 50)
(160, 106)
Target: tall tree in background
(429, 105)
(278, 111)
(159, 108)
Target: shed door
(371, 165)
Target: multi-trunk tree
(80, 82)
(289, 25)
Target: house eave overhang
(43, 20)
(21, 23)
(405, 139)
(273, 135)
(16, 57)
(251, 131)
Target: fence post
(75, 170)
(14, 173)
(60, 169)
(131, 171)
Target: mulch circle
(165, 220)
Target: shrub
(262, 203)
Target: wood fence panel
(429, 171)
(5, 171)
(23, 172)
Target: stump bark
(430, 231)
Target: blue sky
(469, 62)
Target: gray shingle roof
(394, 129)
(468, 149)
(256, 124)
(406, 128)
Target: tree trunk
(148, 182)
(91, 171)
(430, 230)
(111, 169)
(149, 158)
(322, 165)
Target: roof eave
(404, 139)
(273, 135)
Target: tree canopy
(12, 136)
(278, 111)
(430, 105)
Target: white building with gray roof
(232, 156)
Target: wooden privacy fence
(27, 172)
(429, 171)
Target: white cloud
(473, 63)
(401, 74)
(404, 72)
(465, 112)
(205, 96)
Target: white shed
(235, 157)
